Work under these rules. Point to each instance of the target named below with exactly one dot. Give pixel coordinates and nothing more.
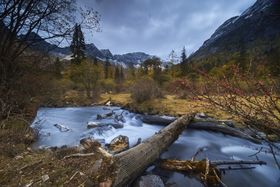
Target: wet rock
(139, 141)
(202, 115)
(228, 123)
(273, 137)
(100, 131)
(62, 128)
(109, 103)
(149, 181)
(261, 134)
(117, 125)
(100, 117)
(119, 144)
(120, 118)
(92, 125)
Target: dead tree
(134, 161)
(202, 125)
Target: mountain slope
(107, 53)
(91, 51)
(259, 23)
(132, 58)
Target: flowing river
(67, 126)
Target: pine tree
(57, 67)
(106, 69)
(95, 61)
(117, 74)
(121, 74)
(184, 62)
(183, 56)
(78, 45)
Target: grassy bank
(20, 165)
(168, 105)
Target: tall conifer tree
(78, 45)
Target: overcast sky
(158, 26)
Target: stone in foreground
(119, 144)
(149, 180)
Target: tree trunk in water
(131, 163)
(202, 125)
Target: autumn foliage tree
(86, 74)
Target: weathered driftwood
(201, 125)
(202, 170)
(134, 161)
(191, 166)
(205, 170)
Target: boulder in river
(62, 128)
(119, 144)
(104, 116)
(92, 125)
(149, 181)
(116, 125)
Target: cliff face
(260, 22)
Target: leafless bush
(254, 101)
(145, 89)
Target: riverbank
(169, 105)
(56, 167)
(20, 165)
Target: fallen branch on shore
(79, 155)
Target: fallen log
(206, 171)
(201, 125)
(189, 165)
(222, 129)
(237, 162)
(133, 162)
(156, 120)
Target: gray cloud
(158, 26)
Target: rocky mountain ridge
(260, 22)
(91, 51)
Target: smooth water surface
(216, 146)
